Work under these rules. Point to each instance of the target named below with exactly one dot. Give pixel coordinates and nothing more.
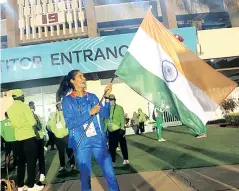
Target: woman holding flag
(78, 108)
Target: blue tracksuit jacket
(77, 116)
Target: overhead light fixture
(134, 27)
(109, 30)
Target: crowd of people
(79, 115)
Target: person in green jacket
(57, 126)
(141, 119)
(158, 113)
(39, 142)
(8, 134)
(23, 121)
(116, 130)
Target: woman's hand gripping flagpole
(90, 121)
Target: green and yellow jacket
(57, 125)
(39, 125)
(7, 131)
(117, 119)
(22, 120)
(141, 116)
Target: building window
(3, 12)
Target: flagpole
(91, 119)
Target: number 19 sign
(50, 19)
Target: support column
(155, 9)
(233, 11)
(168, 9)
(91, 18)
(12, 23)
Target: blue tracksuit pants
(103, 159)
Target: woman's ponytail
(64, 88)
(66, 85)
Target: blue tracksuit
(76, 114)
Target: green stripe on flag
(156, 91)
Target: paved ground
(180, 163)
(221, 178)
(180, 151)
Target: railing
(169, 120)
(107, 2)
(50, 19)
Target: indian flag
(168, 74)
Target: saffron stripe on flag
(197, 71)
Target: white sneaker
(36, 188)
(25, 188)
(161, 140)
(126, 162)
(20, 189)
(42, 177)
(32, 189)
(39, 188)
(72, 167)
(62, 169)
